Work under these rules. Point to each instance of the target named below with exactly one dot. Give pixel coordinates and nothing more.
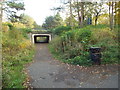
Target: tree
(71, 13)
(11, 8)
(117, 13)
(52, 21)
(68, 4)
(114, 14)
(77, 6)
(26, 20)
(103, 19)
(111, 16)
(82, 14)
(83, 11)
(67, 21)
(1, 14)
(58, 20)
(97, 10)
(49, 23)
(57, 9)
(36, 26)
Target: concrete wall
(33, 35)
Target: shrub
(10, 25)
(77, 42)
(26, 30)
(5, 28)
(19, 25)
(16, 52)
(79, 60)
(61, 29)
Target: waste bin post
(95, 54)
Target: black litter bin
(95, 54)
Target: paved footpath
(46, 72)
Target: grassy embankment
(17, 51)
(72, 46)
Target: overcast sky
(40, 9)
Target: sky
(40, 9)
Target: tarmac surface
(46, 72)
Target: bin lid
(95, 49)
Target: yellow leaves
(103, 33)
(64, 25)
(7, 49)
(25, 44)
(103, 19)
(6, 23)
(5, 28)
(22, 45)
(19, 25)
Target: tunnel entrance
(41, 39)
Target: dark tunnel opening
(41, 39)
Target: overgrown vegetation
(73, 36)
(61, 29)
(73, 46)
(17, 51)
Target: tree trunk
(96, 18)
(115, 23)
(118, 13)
(78, 12)
(71, 15)
(82, 14)
(111, 14)
(112, 17)
(1, 14)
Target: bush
(79, 60)
(16, 52)
(12, 68)
(61, 29)
(25, 32)
(72, 44)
